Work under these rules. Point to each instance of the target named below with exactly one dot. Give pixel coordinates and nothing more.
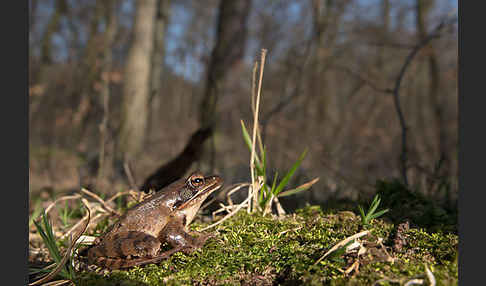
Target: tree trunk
(136, 82)
(89, 71)
(385, 14)
(423, 9)
(229, 50)
(52, 27)
(161, 22)
(109, 36)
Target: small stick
(228, 215)
(341, 243)
(77, 196)
(131, 193)
(100, 200)
(131, 180)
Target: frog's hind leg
(118, 263)
(123, 245)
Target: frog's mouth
(213, 183)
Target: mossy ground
(255, 250)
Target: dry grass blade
(86, 217)
(354, 266)
(342, 243)
(414, 282)
(63, 198)
(128, 172)
(236, 188)
(65, 258)
(58, 283)
(430, 276)
(232, 189)
(378, 282)
(131, 193)
(389, 257)
(288, 230)
(101, 201)
(253, 190)
(240, 206)
(225, 209)
(280, 210)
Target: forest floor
(415, 242)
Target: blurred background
(127, 93)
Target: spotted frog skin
(136, 238)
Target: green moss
(264, 250)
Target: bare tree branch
(396, 96)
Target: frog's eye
(197, 181)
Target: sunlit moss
(266, 250)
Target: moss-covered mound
(254, 250)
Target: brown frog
(136, 238)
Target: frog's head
(196, 189)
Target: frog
(137, 237)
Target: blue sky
(191, 68)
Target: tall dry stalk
(255, 186)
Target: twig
(131, 180)
(342, 243)
(228, 215)
(294, 92)
(76, 196)
(232, 189)
(101, 201)
(368, 82)
(131, 193)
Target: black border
(471, 90)
(14, 119)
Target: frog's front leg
(176, 235)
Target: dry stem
(254, 191)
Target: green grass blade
(52, 247)
(289, 174)
(248, 142)
(274, 183)
(374, 205)
(35, 214)
(363, 216)
(261, 196)
(265, 196)
(380, 213)
(299, 189)
(264, 163)
(51, 239)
